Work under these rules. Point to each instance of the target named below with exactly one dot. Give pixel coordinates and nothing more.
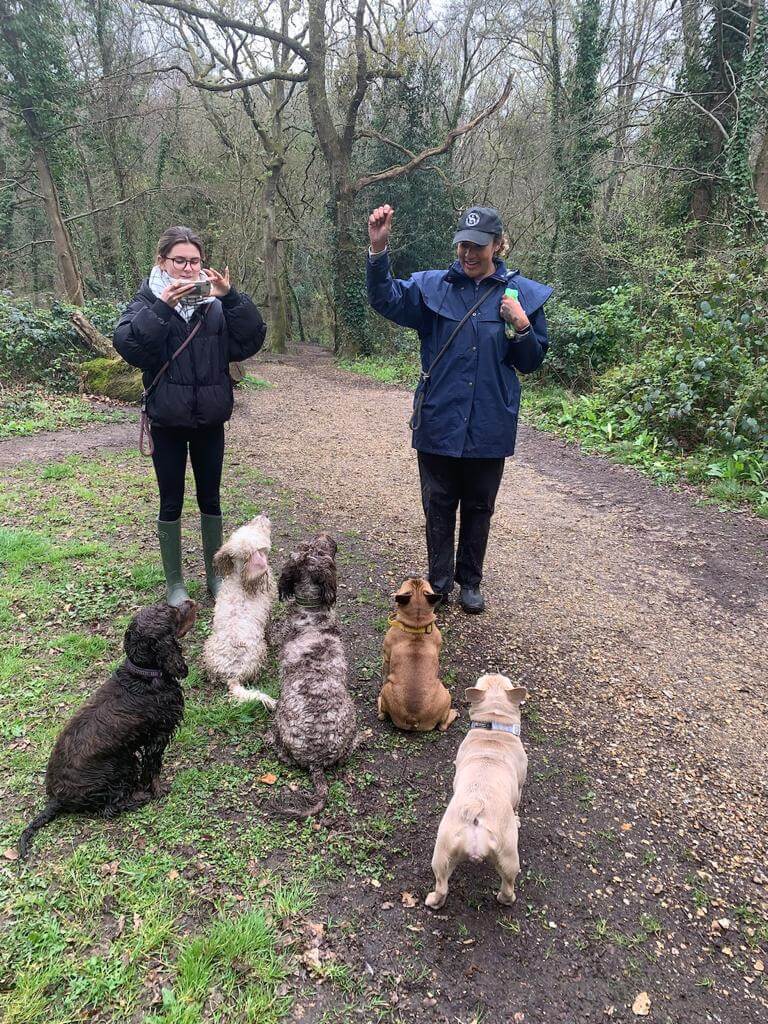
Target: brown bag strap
(146, 444)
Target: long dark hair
(172, 236)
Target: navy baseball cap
(480, 224)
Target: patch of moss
(113, 378)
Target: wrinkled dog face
(310, 572)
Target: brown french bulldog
(412, 694)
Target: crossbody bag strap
(415, 420)
(146, 444)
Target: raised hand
(379, 227)
(219, 282)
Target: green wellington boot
(169, 535)
(210, 529)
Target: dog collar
(496, 727)
(412, 629)
(308, 604)
(148, 673)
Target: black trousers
(206, 453)
(448, 484)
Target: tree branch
(224, 22)
(426, 154)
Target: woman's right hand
(379, 227)
(175, 292)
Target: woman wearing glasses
(192, 399)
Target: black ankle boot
(471, 600)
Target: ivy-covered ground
(633, 618)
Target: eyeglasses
(180, 263)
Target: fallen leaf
(11, 854)
(173, 874)
(759, 966)
(374, 882)
(269, 778)
(311, 958)
(626, 827)
(386, 905)
(642, 1005)
(408, 899)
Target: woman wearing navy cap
(475, 339)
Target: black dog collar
(148, 673)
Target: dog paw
(507, 899)
(435, 900)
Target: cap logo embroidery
(472, 219)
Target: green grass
(187, 906)
(251, 383)
(396, 369)
(28, 409)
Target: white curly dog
(236, 649)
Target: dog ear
(517, 695)
(286, 585)
(474, 695)
(170, 658)
(327, 582)
(185, 615)
(223, 562)
(402, 598)
(432, 598)
(253, 572)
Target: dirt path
(638, 623)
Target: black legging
(206, 453)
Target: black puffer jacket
(196, 389)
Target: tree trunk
(350, 300)
(66, 260)
(274, 260)
(92, 337)
(761, 174)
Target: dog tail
(52, 810)
(478, 838)
(241, 695)
(317, 799)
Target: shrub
(584, 342)
(41, 345)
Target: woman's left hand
(513, 313)
(219, 282)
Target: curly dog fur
(107, 758)
(236, 649)
(315, 723)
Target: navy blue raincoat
(472, 400)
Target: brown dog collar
(412, 629)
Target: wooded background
(615, 137)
